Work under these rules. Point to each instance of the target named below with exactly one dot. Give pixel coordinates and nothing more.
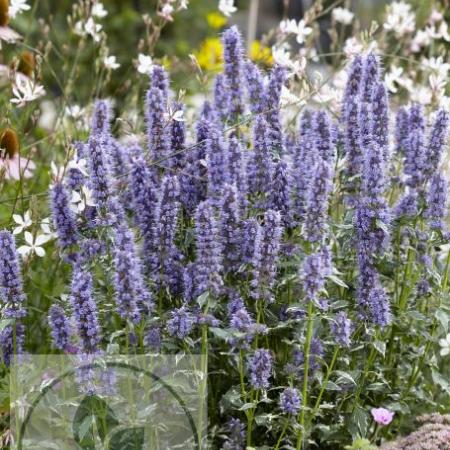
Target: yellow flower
(216, 20)
(209, 55)
(260, 53)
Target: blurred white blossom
(400, 19)
(23, 222)
(16, 7)
(111, 63)
(445, 345)
(145, 64)
(79, 200)
(93, 29)
(98, 10)
(303, 31)
(343, 15)
(289, 26)
(226, 7)
(26, 90)
(393, 78)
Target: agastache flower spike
(401, 130)
(380, 119)
(236, 434)
(208, 251)
(324, 138)
(158, 138)
(314, 271)
(60, 328)
(131, 295)
(63, 217)
(11, 342)
(267, 247)
(166, 269)
(317, 203)
(101, 118)
(259, 166)
(260, 369)
(74, 178)
(290, 401)
(98, 170)
(350, 115)
(84, 308)
(341, 329)
(280, 193)
(255, 87)
(371, 76)
(177, 141)
(221, 96)
(250, 232)
(180, 323)
(230, 231)
(233, 59)
(436, 202)
(217, 161)
(277, 80)
(437, 140)
(11, 286)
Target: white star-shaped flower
(93, 29)
(34, 245)
(26, 90)
(111, 63)
(98, 10)
(81, 199)
(145, 64)
(24, 222)
(226, 7)
(342, 15)
(303, 32)
(16, 7)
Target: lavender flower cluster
(239, 233)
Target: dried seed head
(4, 16)
(9, 141)
(27, 63)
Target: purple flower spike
(209, 251)
(277, 80)
(280, 193)
(177, 141)
(260, 369)
(324, 138)
(380, 119)
(230, 231)
(60, 328)
(255, 87)
(101, 118)
(341, 329)
(11, 342)
(316, 268)
(236, 435)
(180, 323)
(437, 141)
(233, 58)
(371, 76)
(290, 401)
(63, 217)
(84, 309)
(265, 258)
(158, 138)
(401, 130)
(11, 285)
(350, 114)
(221, 96)
(437, 202)
(317, 204)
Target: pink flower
(382, 416)
(14, 167)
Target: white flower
(166, 12)
(343, 15)
(98, 10)
(437, 83)
(400, 19)
(421, 39)
(436, 65)
(16, 7)
(184, 4)
(226, 7)
(111, 63)
(57, 173)
(34, 245)
(422, 95)
(288, 98)
(445, 345)
(393, 77)
(435, 16)
(442, 32)
(24, 222)
(74, 111)
(289, 26)
(303, 31)
(80, 200)
(93, 29)
(46, 229)
(79, 28)
(79, 164)
(145, 64)
(352, 47)
(177, 115)
(26, 90)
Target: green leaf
(344, 378)
(337, 281)
(359, 422)
(443, 319)
(127, 439)
(246, 406)
(332, 386)
(380, 347)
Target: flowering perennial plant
(306, 259)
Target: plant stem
(283, 432)
(204, 383)
(309, 333)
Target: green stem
(203, 386)
(283, 432)
(309, 333)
